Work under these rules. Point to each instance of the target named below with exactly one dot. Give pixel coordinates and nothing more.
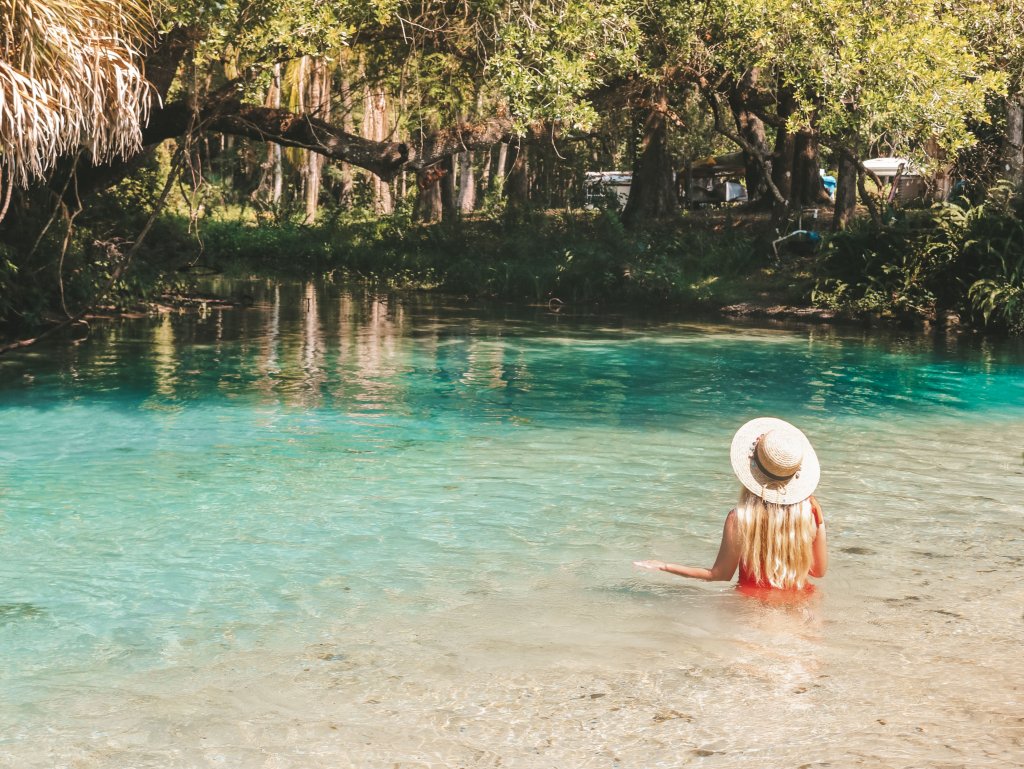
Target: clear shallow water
(338, 531)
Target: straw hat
(775, 461)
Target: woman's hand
(652, 565)
(725, 564)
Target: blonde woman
(775, 535)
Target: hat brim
(790, 491)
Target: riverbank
(580, 258)
(921, 269)
(710, 263)
(957, 266)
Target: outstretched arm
(725, 564)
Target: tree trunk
(467, 184)
(347, 125)
(274, 155)
(652, 192)
(500, 168)
(751, 128)
(941, 186)
(485, 171)
(375, 123)
(318, 104)
(429, 207)
(300, 96)
(808, 189)
(782, 160)
(846, 192)
(449, 195)
(1013, 142)
(867, 199)
(782, 173)
(517, 185)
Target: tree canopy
(911, 77)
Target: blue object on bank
(829, 182)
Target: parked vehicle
(602, 189)
(716, 180)
(901, 180)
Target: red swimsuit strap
(816, 512)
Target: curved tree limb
(225, 113)
(763, 160)
(866, 196)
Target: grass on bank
(966, 259)
(959, 258)
(578, 258)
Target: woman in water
(776, 534)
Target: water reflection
(373, 340)
(269, 343)
(311, 351)
(165, 359)
(312, 345)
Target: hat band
(766, 471)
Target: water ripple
(355, 531)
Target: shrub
(954, 256)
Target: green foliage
(993, 239)
(965, 258)
(244, 33)
(582, 258)
(891, 74)
(46, 276)
(549, 56)
(999, 302)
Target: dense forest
(445, 144)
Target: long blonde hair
(776, 540)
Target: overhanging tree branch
(225, 113)
(762, 159)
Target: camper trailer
(603, 188)
(716, 180)
(901, 180)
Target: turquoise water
(333, 529)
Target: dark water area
(291, 339)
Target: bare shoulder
(732, 520)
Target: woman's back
(776, 541)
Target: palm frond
(71, 75)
